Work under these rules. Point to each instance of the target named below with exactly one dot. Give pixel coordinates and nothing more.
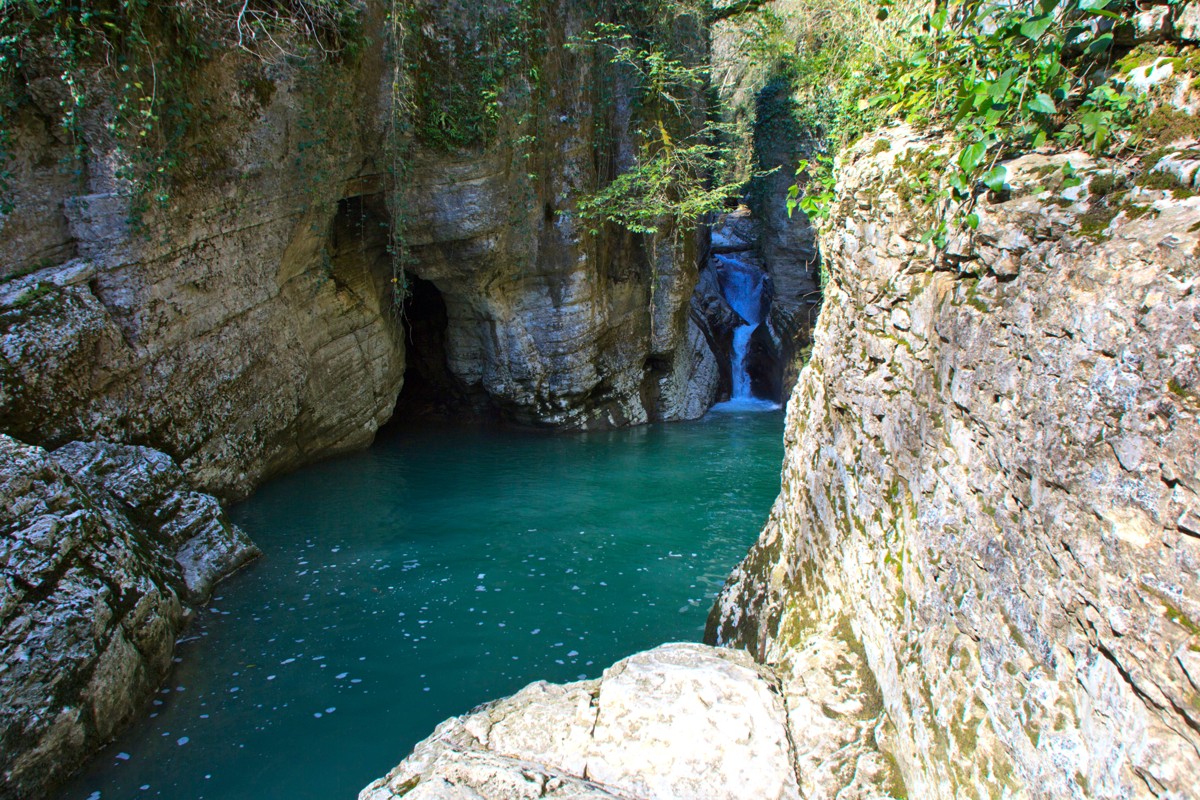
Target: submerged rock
(103, 547)
(680, 721)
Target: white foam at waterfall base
(744, 404)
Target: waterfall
(742, 286)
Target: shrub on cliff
(998, 78)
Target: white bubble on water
(123, 756)
(182, 740)
(331, 709)
(341, 675)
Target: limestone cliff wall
(991, 476)
(245, 327)
(555, 323)
(252, 324)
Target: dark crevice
(431, 390)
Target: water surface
(439, 569)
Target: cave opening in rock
(430, 389)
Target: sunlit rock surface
(103, 549)
(680, 721)
(992, 476)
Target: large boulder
(103, 548)
(680, 721)
(991, 470)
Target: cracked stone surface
(103, 548)
(680, 721)
(992, 475)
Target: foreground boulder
(103, 548)
(679, 721)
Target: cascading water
(743, 287)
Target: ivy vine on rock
(998, 79)
(133, 64)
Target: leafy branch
(1000, 78)
(680, 165)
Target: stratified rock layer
(255, 321)
(102, 548)
(992, 474)
(680, 721)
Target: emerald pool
(443, 567)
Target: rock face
(991, 475)
(549, 322)
(248, 326)
(680, 721)
(103, 549)
(787, 242)
(252, 323)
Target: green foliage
(818, 195)
(670, 182)
(1000, 78)
(460, 77)
(683, 167)
(132, 64)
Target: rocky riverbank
(980, 577)
(105, 552)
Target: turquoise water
(439, 569)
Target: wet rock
(103, 547)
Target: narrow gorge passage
(441, 568)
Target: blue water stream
(439, 569)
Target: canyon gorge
(981, 574)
